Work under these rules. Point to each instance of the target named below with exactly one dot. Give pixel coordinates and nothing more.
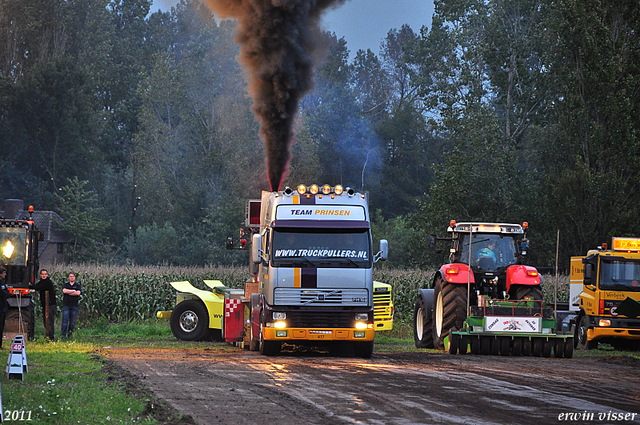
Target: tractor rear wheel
(189, 320)
(422, 325)
(450, 309)
(520, 292)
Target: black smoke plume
(279, 40)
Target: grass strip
(69, 383)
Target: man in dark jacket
(48, 302)
(72, 292)
(4, 307)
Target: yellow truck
(605, 295)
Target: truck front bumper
(317, 334)
(613, 327)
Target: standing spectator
(71, 291)
(48, 302)
(4, 307)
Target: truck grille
(320, 319)
(321, 297)
(381, 305)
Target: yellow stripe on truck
(296, 277)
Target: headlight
(604, 322)
(278, 315)
(280, 325)
(362, 316)
(361, 325)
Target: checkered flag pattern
(230, 305)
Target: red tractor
(484, 263)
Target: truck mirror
(229, 241)
(256, 248)
(588, 274)
(383, 254)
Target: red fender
(456, 273)
(522, 275)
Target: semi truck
(311, 280)
(605, 295)
(484, 300)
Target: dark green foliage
(501, 111)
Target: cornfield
(123, 294)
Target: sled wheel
(422, 325)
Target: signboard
(512, 324)
(320, 212)
(626, 244)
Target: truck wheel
(454, 341)
(363, 349)
(475, 345)
(254, 340)
(558, 348)
(583, 342)
(568, 348)
(450, 309)
(516, 350)
(463, 345)
(485, 345)
(268, 348)
(504, 345)
(215, 335)
(189, 320)
(422, 325)
(536, 346)
(254, 343)
(495, 346)
(520, 292)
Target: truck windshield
(321, 248)
(13, 246)
(489, 252)
(619, 274)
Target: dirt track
(218, 385)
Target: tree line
(137, 128)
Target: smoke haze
(279, 40)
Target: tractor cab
(489, 249)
